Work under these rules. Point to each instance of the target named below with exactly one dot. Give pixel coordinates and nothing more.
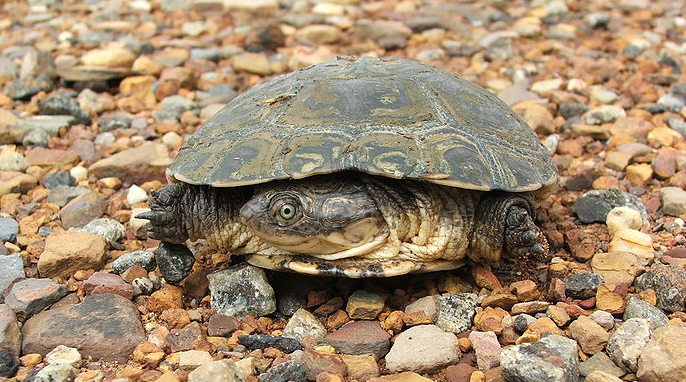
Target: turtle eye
(287, 211)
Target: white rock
(422, 349)
(64, 355)
(620, 218)
(136, 195)
(79, 173)
(627, 342)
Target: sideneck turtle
(361, 168)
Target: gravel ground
(98, 97)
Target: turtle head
(320, 215)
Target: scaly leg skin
(504, 226)
(165, 215)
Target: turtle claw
(164, 217)
(521, 234)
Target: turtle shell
(391, 117)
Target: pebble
(222, 370)
(361, 367)
(136, 165)
(284, 372)
(664, 357)
(13, 161)
(55, 373)
(241, 291)
(256, 63)
(8, 364)
(456, 312)
(109, 229)
(109, 58)
(137, 226)
(553, 358)
(601, 376)
(58, 178)
(616, 267)
(82, 210)
(11, 269)
(62, 104)
(669, 284)
(261, 341)
(135, 195)
(600, 362)
(604, 114)
(487, 349)
(111, 323)
(582, 285)
(603, 95)
(221, 325)
(429, 306)
(673, 201)
(101, 282)
(423, 349)
(620, 218)
(364, 305)
(145, 259)
(543, 88)
(10, 334)
(360, 337)
(316, 363)
(9, 228)
(303, 324)
(64, 355)
(636, 308)
(627, 342)
(31, 296)
(114, 120)
(522, 321)
(175, 261)
(594, 205)
(604, 319)
(67, 252)
(11, 181)
(589, 335)
(61, 195)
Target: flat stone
(604, 114)
(136, 165)
(407, 376)
(221, 325)
(364, 305)
(262, 341)
(39, 156)
(31, 296)
(664, 357)
(222, 370)
(637, 308)
(82, 210)
(191, 359)
(429, 305)
(673, 201)
(303, 324)
(618, 267)
(55, 373)
(109, 58)
(668, 282)
(361, 367)
(553, 358)
(101, 282)
(627, 343)
(103, 327)
(423, 349)
(241, 291)
(61, 104)
(65, 355)
(589, 335)
(67, 252)
(360, 337)
(636, 242)
(11, 269)
(456, 312)
(10, 335)
(487, 349)
(601, 376)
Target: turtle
(359, 167)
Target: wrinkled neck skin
(334, 217)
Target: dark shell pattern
(390, 117)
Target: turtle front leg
(166, 217)
(504, 225)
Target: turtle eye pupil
(287, 211)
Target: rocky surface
(98, 97)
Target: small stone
(31, 296)
(12, 181)
(191, 359)
(82, 210)
(664, 357)
(610, 298)
(559, 315)
(187, 338)
(55, 373)
(261, 341)
(604, 319)
(11, 269)
(109, 229)
(62, 104)
(553, 358)
(115, 120)
(64, 355)
(284, 372)
(456, 312)
(222, 370)
(8, 364)
(257, 63)
(673, 201)
(109, 58)
(241, 291)
(620, 218)
(582, 285)
(636, 308)
(136, 195)
(429, 305)
(361, 367)
(668, 282)
(617, 267)
(600, 361)
(460, 372)
(303, 324)
(360, 337)
(594, 205)
(603, 95)
(137, 226)
(423, 349)
(175, 261)
(111, 324)
(135, 165)
(627, 343)
(67, 252)
(315, 363)
(9, 228)
(61, 195)
(639, 173)
(168, 297)
(529, 307)
(407, 376)
(589, 335)
(604, 114)
(487, 349)
(221, 325)
(543, 88)
(13, 161)
(522, 321)
(10, 335)
(319, 34)
(364, 305)
(601, 376)
(101, 282)
(145, 259)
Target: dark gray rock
(637, 308)
(552, 359)
(9, 228)
(145, 259)
(240, 291)
(61, 195)
(8, 364)
(175, 261)
(115, 120)
(82, 210)
(456, 311)
(594, 205)
(31, 296)
(669, 284)
(36, 137)
(582, 285)
(572, 109)
(522, 321)
(284, 372)
(58, 178)
(262, 341)
(62, 104)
